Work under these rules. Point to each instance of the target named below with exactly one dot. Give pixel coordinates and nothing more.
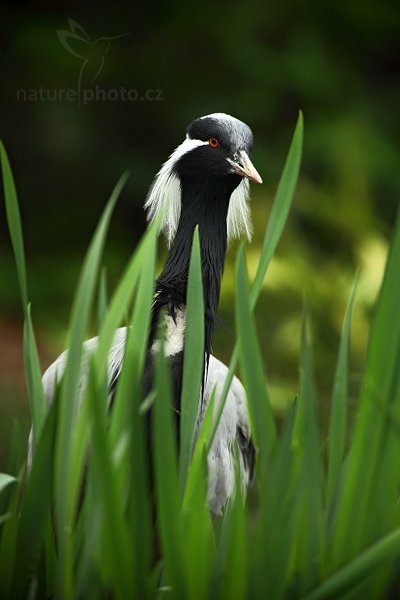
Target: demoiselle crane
(204, 182)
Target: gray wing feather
(56, 370)
(234, 426)
(234, 419)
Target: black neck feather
(206, 205)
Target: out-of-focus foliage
(259, 61)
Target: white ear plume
(239, 216)
(165, 196)
(165, 193)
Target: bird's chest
(170, 336)
(172, 333)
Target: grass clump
(326, 521)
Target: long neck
(207, 207)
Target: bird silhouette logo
(91, 53)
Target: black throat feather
(205, 205)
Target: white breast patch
(174, 334)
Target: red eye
(214, 143)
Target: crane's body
(233, 427)
(204, 183)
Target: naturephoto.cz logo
(91, 54)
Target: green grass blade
(116, 542)
(17, 449)
(122, 419)
(8, 538)
(384, 508)
(262, 421)
(307, 447)
(35, 510)
(198, 546)
(102, 299)
(141, 314)
(235, 583)
(17, 453)
(79, 322)
(378, 398)
(14, 224)
(193, 358)
(32, 366)
(358, 569)
(5, 480)
(135, 470)
(127, 420)
(338, 416)
(122, 296)
(79, 451)
(33, 375)
(88, 543)
(280, 209)
(279, 213)
(167, 481)
(195, 466)
(274, 536)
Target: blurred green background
(261, 62)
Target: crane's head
(215, 154)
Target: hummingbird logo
(91, 53)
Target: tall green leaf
(307, 448)
(235, 582)
(198, 541)
(280, 209)
(14, 224)
(16, 453)
(102, 299)
(338, 416)
(262, 421)
(5, 480)
(166, 480)
(116, 534)
(193, 363)
(276, 518)
(31, 359)
(79, 321)
(359, 569)
(127, 420)
(8, 538)
(120, 300)
(276, 222)
(378, 398)
(35, 510)
(33, 375)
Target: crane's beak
(243, 166)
